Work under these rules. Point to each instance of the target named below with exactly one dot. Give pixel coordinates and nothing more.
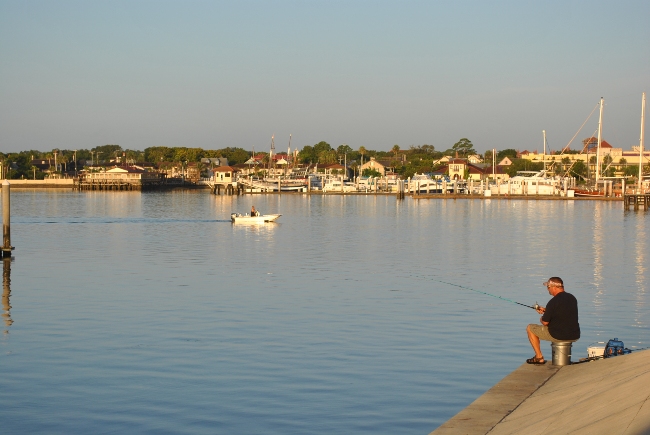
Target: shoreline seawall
(53, 183)
(69, 183)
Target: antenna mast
(640, 183)
(272, 152)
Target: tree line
(406, 162)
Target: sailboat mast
(271, 153)
(600, 133)
(289, 159)
(544, 133)
(641, 141)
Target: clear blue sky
(212, 74)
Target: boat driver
(559, 321)
(253, 211)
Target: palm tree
(362, 151)
(395, 150)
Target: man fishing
(559, 320)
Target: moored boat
(588, 193)
(424, 183)
(336, 185)
(529, 183)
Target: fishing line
(490, 294)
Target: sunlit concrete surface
(598, 397)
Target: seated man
(559, 320)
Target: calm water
(152, 313)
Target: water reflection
(597, 249)
(265, 229)
(6, 293)
(640, 247)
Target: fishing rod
(534, 307)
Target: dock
(605, 396)
(518, 197)
(637, 201)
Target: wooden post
(6, 220)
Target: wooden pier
(228, 188)
(95, 184)
(637, 201)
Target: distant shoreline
(68, 184)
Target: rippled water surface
(152, 313)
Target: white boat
(529, 183)
(423, 183)
(286, 184)
(335, 185)
(248, 219)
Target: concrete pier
(599, 397)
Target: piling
(6, 291)
(6, 220)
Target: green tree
(523, 165)
(108, 151)
(307, 155)
(327, 157)
(463, 147)
(579, 169)
(362, 151)
(235, 156)
(631, 171)
(344, 149)
(158, 154)
(509, 152)
(322, 146)
(395, 150)
(368, 172)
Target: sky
(216, 74)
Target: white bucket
(595, 351)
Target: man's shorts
(542, 332)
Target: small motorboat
(255, 219)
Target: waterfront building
(374, 165)
(615, 157)
(505, 161)
(224, 174)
